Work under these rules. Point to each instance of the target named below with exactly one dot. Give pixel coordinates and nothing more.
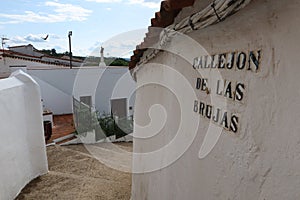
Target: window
(87, 100)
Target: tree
(119, 62)
(53, 52)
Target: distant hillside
(91, 60)
(110, 61)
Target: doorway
(119, 107)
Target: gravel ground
(75, 174)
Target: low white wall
(54, 99)
(22, 149)
(9, 63)
(102, 83)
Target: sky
(117, 25)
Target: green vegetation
(104, 125)
(88, 61)
(52, 52)
(110, 61)
(110, 127)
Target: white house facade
(27, 57)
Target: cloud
(61, 13)
(16, 40)
(9, 22)
(149, 4)
(34, 38)
(69, 12)
(145, 3)
(53, 36)
(60, 43)
(105, 1)
(114, 48)
(31, 38)
(120, 45)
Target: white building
(26, 56)
(100, 87)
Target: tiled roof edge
(169, 9)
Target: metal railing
(86, 119)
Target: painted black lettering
(228, 91)
(204, 84)
(198, 84)
(206, 63)
(224, 121)
(195, 63)
(214, 60)
(196, 106)
(208, 111)
(222, 61)
(234, 123)
(219, 89)
(241, 61)
(216, 115)
(201, 108)
(230, 61)
(254, 59)
(239, 92)
(201, 62)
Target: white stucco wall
(28, 49)
(22, 149)
(57, 101)
(8, 62)
(260, 161)
(59, 85)
(4, 69)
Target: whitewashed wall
(56, 88)
(4, 69)
(59, 85)
(8, 62)
(260, 161)
(22, 149)
(28, 49)
(57, 101)
(9, 65)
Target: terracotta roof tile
(175, 4)
(169, 9)
(18, 55)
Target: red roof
(169, 9)
(17, 55)
(11, 53)
(12, 47)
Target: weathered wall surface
(261, 159)
(22, 149)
